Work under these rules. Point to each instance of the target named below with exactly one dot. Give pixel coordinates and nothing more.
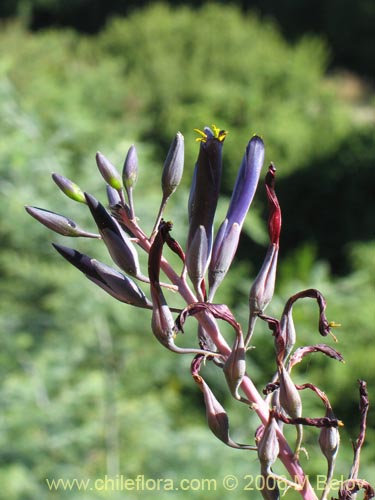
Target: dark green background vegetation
(85, 389)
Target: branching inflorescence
(204, 264)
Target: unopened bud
(235, 367)
(125, 289)
(108, 171)
(119, 245)
(268, 445)
(112, 196)
(329, 439)
(58, 223)
(290, 400)
(197, 258)
(288, 332)
(217, 417)
(69, 188)
(173, 166)
(262, 290)
(130, 169)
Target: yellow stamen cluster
(218, 134)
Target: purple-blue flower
(227, 238)
(204, 195)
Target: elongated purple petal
(223, 252)
(247, 181)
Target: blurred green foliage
(346, 25)
(86, 391)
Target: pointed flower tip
(257, 137)
(92, 202)
(64, 251)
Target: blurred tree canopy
(84, 384)
(347, 26)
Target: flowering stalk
(123, 237)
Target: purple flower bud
(263, 287)
(288, 332)
(290, 399)
(108, 171)
(268, 446)
(162, 322)
(130, 169)
(235, 367)
(196, 259)
(119, 245)
(58, 223)
(114, 283)
(125, 288)
(268, 451)
(205, 187)
(217, 417)
(290, 402)
(329, 439)
(173, 166)
(112, 196)
(69, 188)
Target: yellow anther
(218, 134)
(203, 135)
(332, 324)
